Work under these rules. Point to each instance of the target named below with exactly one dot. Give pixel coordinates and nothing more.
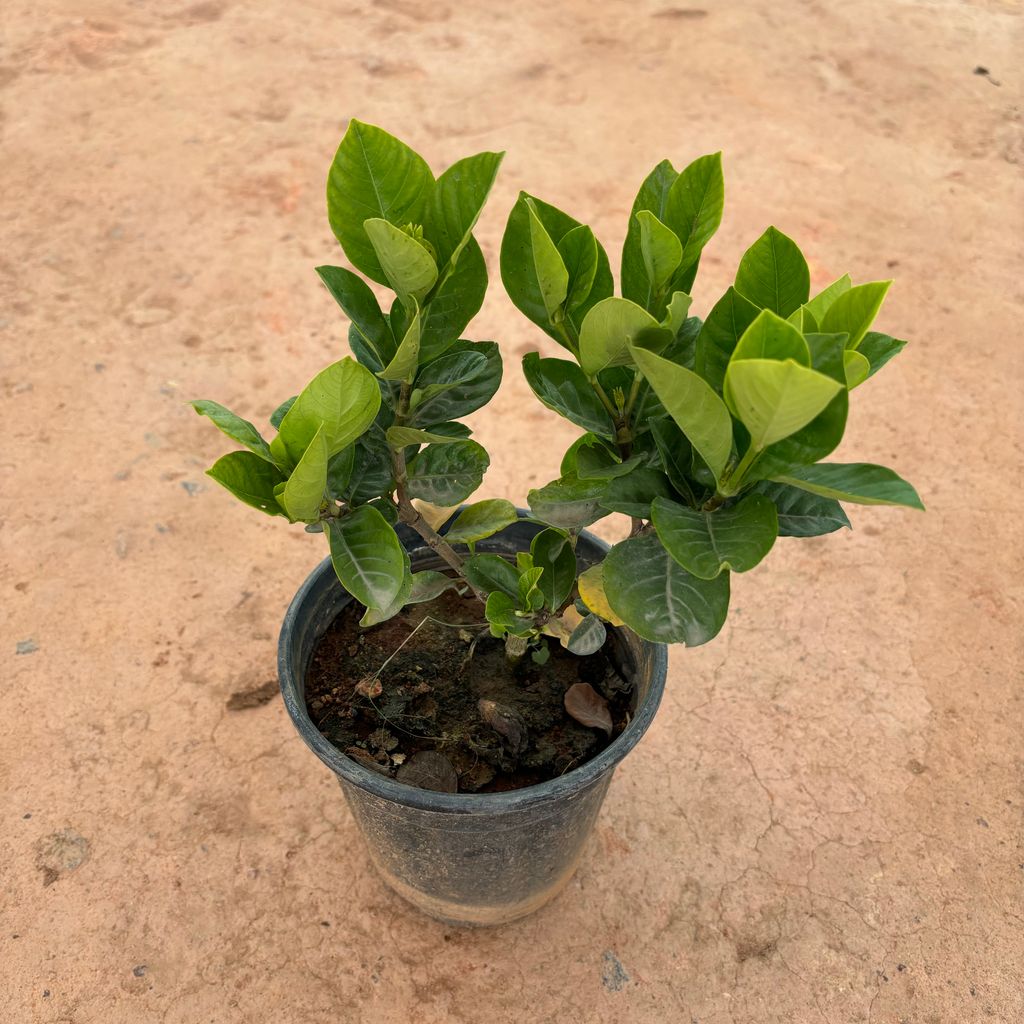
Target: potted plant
(475, 735)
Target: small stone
(139, 971)
(191, 487)
(26, 647)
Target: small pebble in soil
(26, 647)
(139, 971)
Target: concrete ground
(825, 822)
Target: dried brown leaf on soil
(430, 770)
(588, 707)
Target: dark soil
(429, 694)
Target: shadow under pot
(464, 858)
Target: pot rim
(386, 788)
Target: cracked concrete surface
(824, 824)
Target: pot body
(474, 858)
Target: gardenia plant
(708, 435)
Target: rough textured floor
(825, 823)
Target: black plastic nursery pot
(480, 858)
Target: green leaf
(774, 399)
(802, 319)
(531, 598)
(339, 472)
(563, 387)
(374, 175)
(235, 427)
(597, 462)
(802, 514)
(853, 312)
(453, 305)
(632, 495)
(491, 573)
(281, 411)
(374, 616)
(660, 249)
(878, 349)
(454, 207)
(481, 520)
(658, 599)
(402, 437)
(359, 303)
(552, 552)
(408, 266)
(773, 274)
(821, 302)
(653, 197)
(344, 399)
(857, 368)
(548, 267)
(720, 334)
(447, 474)
(705, 543)
(771, 337)
(569, 502)
(675, 453)
(304, 492)
(249, 478)
(699, 413)
(588, 637)
(579, 251)
(367, 557)
(461, 381)
(405, 361)
(675, 314)
(371, 469)
(695, 203)
(500, 612)
(608, 331)
(858, 482)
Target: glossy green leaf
(802, 514)
(531, 598)
(859, 482)
(402, 437)
(359, 304)
(706, 543)
(447, 474)
(675, 453)
(370, 476)
(878, 349)
(455, 204)
(281, 411)
(632, 494)
(461, 381)
(304, 492)
(607, 332)
(853, 311)
(344, 399)
(857, 368)
(552, 552)
(653, 197)
(367, 557)
(588, 637)
(660, 249)
(480, 520)
(579, 251)
(774, 399)
(773, 274)
(598, 462)
(699, 413)
(374, 616)
(720, 334)
(339, 472)
(235, 427)
(569, 502)
(676, 313)
(491, 573)
(405, 361)
(453, 305)
(771, 337)
(802, 319)
(820, 303)
(563, 387)
(374, 175)
(548, 266)
(501, 613)
(658, 599)
(249, 478)
(695, 204)
(410, 269)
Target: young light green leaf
(774, 399)
(409, 267)
(367, 557)
(652, 196)
(695, 203)
(455, 204)
(853, 312)
(481, 520)
(859, 482)
(548, 266)
(491, 573)
(579, 251)
(531, 598)
(501, 612)
(719, 335)
(857, 368)
(374, 175)
(344, 399)
(405, 361)
(699, 413)
(658, 599)
(563, 387)
(706, 543)
(818, 306)
(447, 474)
(676, 313)
(660, 249)
(234, 426)
(569, 502)
(249, 478)
(608, 331)
(771, 337)
(802, 514)
(878, 349)
(551, 551)
(304, 492)
(773, 274)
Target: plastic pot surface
(468, 858)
